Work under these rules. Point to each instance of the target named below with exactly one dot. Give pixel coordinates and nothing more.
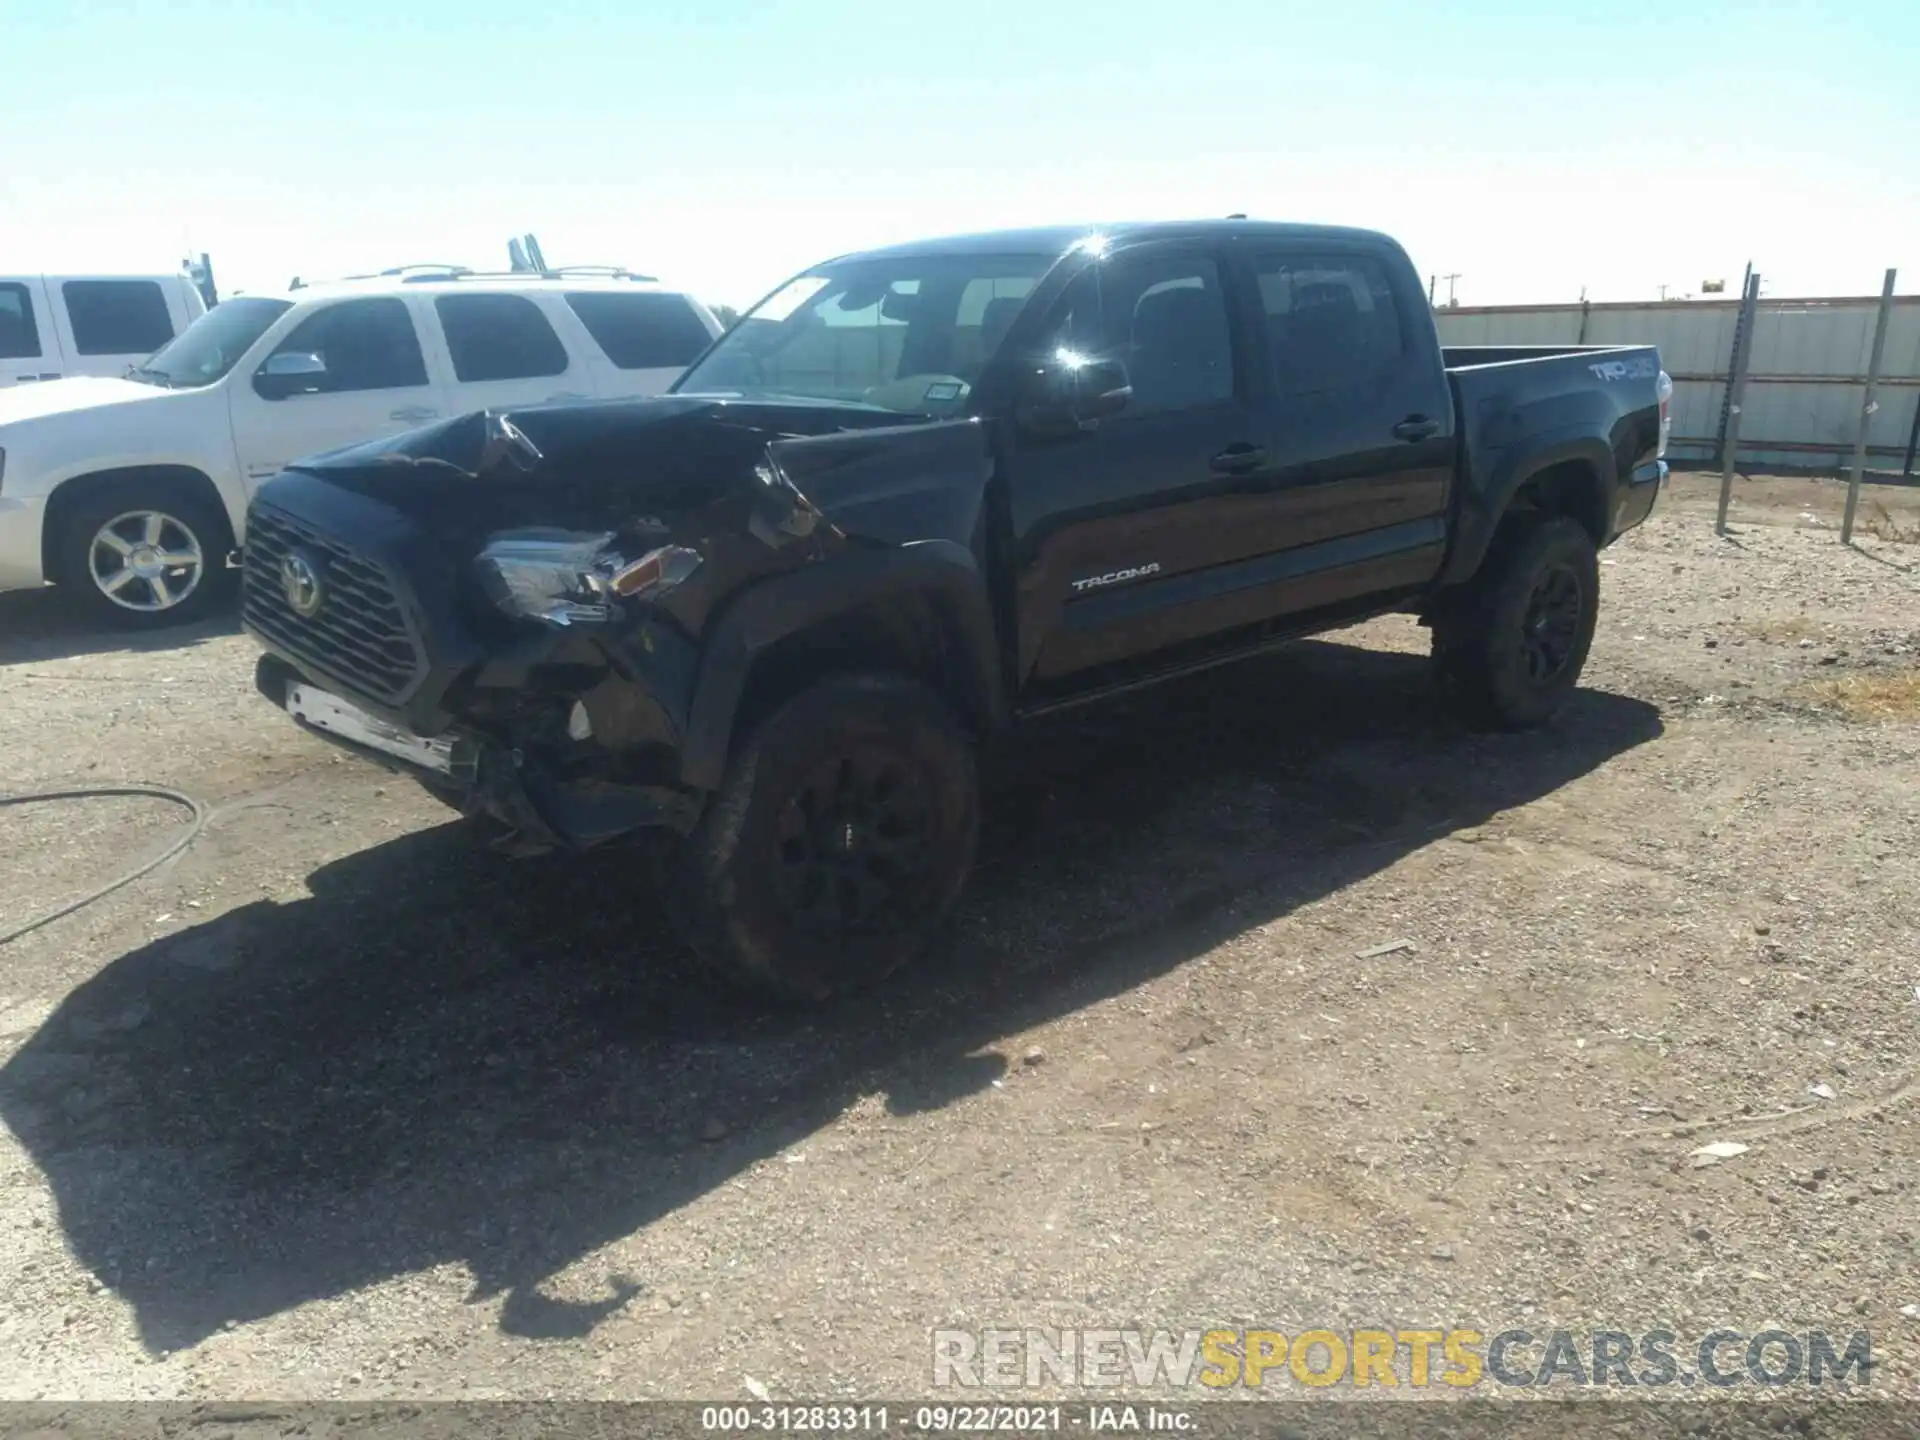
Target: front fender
(789, 602)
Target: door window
(1166, 317)
(1331, 320)
(364, 345)
(117, 317)
(499, 337)
(19, 336)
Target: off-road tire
(765, 878)
(186, 509)
(1508, 647)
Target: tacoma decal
(1093, 582)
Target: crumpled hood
(79, 392)
(659, 463)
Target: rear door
(29, 341)
(644, 339)
(1122, 531)
(375, 383)
(107, 326)
(1363, 447)
(502, 352)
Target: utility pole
(1663, 292)
(1450, 279)
(1430, 283)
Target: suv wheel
(839, 840)
(148, 555)
(1509, 649)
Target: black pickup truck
(915, 497)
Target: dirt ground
(334, 1105)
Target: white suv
(134, 491)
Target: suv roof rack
(428, 274)
(558, 272)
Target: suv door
(502, 352)
(371, 381)
(1363, 438)
(28, 350)
(1118, 530)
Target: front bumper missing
(320, 710)
(539, 813)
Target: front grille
(359, 637)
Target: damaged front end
(510, 608)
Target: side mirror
(1070, 393)
(290, 372)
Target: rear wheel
(840, 838)
(1509, 647)
(148, 555)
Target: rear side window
(499, 337)
(19, 336)
(642, 331)
(1331, 320)
(117, 317)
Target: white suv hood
(58, 397)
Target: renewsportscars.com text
(1223, 1359)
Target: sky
(1532, 148)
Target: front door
(372, 381)
(1118, 528)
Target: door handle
(1238, 459)
(1416, 427)
(412, 413)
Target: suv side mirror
(1070, 393)
(290, 372)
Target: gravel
(336, 1105)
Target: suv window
(19, 336)
(1166, 317)
(365, 345)
(499, 337)
(117, 317)
(1331, 320)
(642, 331)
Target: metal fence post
(1736, 391)
(1867, 406)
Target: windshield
(910, 333)
(212, 345)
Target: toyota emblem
(300, 579)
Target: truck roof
(1058, 239)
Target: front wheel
(148, 555)
(840, 838)
(1508, 649)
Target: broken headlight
(565, 577)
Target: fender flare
(1481, 518)
(790, 602)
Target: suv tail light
(1664, 389)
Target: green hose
(154, 792)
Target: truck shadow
(447, 1057)
(41, 625)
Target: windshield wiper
(150, 376)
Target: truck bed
(1519, 406)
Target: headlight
(567, 577)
